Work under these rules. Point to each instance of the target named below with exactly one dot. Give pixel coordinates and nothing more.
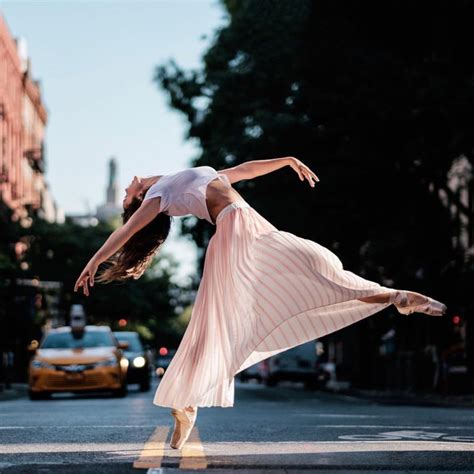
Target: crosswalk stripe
(193, 456)
(152, 453)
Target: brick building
(24, 192)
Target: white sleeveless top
(184, 192)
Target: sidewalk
(16, 390)
(401, 397)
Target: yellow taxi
(87, 358)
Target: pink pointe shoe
(408, 302)
(184, 422)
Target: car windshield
(65, 340)
(133, 340)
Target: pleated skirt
(262, 291)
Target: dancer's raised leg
(408, 302)
(382, 298)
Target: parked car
(75, 360)
(299, 364)
(138, 357)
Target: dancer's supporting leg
(184, 422)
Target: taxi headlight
(139, 362)
(124, 362)
(110, 362)
(40, 364)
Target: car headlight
(40, 364)
(124, 362)
(110, 362)
(139, 362)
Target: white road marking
(55, 427)
(339, 415)
(248, 447)
(29, 448)
(405, 434)
(415, 427)
(303, 447)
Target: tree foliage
(378, 108)
(376, 97)
(59, 252)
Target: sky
(96, 61)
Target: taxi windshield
(66, 340)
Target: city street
(283, 189)
(281, 429)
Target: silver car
(298, 364)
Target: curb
(407, 398)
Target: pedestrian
(262, 290)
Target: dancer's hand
(87, 273)
(303, 171)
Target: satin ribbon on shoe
(184, 422)
(404, 301)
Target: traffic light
(163, 351)
(456, 319)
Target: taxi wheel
(121, 392)
(38, 395)
(145, 386)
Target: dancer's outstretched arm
(144, 214)
(252, 169)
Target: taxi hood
(75, 356)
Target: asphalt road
(283, 429)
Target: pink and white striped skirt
(262, 291)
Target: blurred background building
(25, 196)
(24, 191)
(111, 208)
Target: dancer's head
(136, 189)
(136, 255)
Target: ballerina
(262, 291)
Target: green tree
(59, 252)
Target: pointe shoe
(406, 303)
(184, 422)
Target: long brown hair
(135, 256)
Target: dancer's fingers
(312, 174)
(78, 283)
(310, 180)
(309, 174)
(309, 177)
